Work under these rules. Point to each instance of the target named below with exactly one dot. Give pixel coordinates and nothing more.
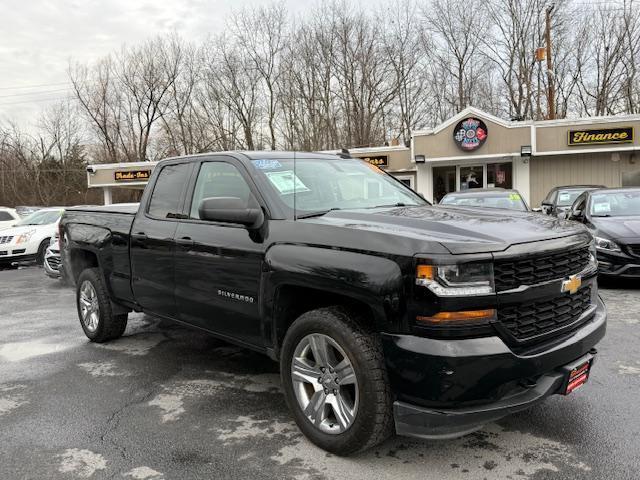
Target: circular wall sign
(470, 134)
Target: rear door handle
(185, 242)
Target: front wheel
(335, 381)
(42, 250)
(97, 319)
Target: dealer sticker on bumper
(578, 373)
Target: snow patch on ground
(102, 369)
(19, 351)
(172, 401)
(248, 427)
(137, 345)
(83, 463)
(11, 398)
(170, 404)
(629, 369)
(144, 473)
(491, 452)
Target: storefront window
(471, 177)
(500, 175)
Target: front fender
(374, 281)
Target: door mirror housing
(231, 210)
(546, 208)
(577, 215)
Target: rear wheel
(335, 381)
(97, 319)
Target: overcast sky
(38, 37)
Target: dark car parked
(383, 310)
(559, 200)
(613, 217)
(487, 198)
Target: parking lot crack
(113, 422)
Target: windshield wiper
(317, 214)
(602, 215)
(399, 204)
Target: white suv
(29, 238)
(8, 217)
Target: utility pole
(551, 93)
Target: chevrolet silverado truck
(384, 312)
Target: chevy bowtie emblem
(572, 285)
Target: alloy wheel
(89, 306)
(325, 383)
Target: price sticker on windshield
(286, 182)
(514, 196)
(603, 207)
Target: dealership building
(475, 149)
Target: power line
(42, 92)
(39, 100)
(35, 86)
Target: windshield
(567, 197)
(505, 200)
(324, 184)
(41, 218)
(616, 204)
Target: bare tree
(458, 27)
(261, 33)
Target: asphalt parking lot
(165, 402)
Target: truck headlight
(606, 245)
(457, 280)
(25, 237)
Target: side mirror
(546, 208)
(231, 210)
(576, 215)
(537, 210)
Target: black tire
(109, 326)
(42, 250)
(373, 421)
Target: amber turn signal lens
(452, 317)
(425, 271)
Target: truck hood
(458, 229)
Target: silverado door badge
(571, 285)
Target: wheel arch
(299, 279)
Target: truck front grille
(529, 320)
(541, 268)
(5, 239)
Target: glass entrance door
(444, 181)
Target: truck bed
(104, 230)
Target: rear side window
(166, 200)
(5, 216)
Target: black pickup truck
(383, 310)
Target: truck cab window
(218, 179)
(166, 199)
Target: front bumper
(447, 388)
(7, 257)
(618, 264)
(52, 263)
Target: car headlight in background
(606, 245)
(457, 280)
(25, 237)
